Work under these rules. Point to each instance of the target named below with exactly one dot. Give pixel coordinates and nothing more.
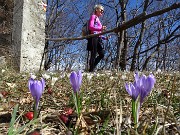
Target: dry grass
(106, 105)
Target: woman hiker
(95, 44)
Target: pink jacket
(95, 25)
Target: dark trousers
(96, 48)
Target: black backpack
(85, 28)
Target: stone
(28, 38)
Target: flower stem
(134, 111)
(35, 110)
(77, 105)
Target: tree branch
(140, 18)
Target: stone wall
(28, 38)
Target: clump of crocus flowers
(76, 80)
(138, 90)
(36, 88)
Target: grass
(106, 106)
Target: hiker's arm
(91, 24)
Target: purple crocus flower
(36, 88)
(138, 91)
(132, 90)
(76, 80)
(142, 86)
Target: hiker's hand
(104, 27)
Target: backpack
(85, 29)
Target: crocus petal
(37, 89)
(32, 87)
(143, 95)
(43, 83)
(74, 81)
(132, 90)
(79, 75)
(135, 91)
(136, 76)
(148, 84)
(151, 81)
(138, 81)
(30, 82)
(141, 80)
(128, 89)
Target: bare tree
(141, 40)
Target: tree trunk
(164, 57)
(119, 46)
(121, 56)
(124, 38)
(135, 53)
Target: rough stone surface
(28, 36)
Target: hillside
(106, 106)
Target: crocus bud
(36, 88)
(76, 80)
